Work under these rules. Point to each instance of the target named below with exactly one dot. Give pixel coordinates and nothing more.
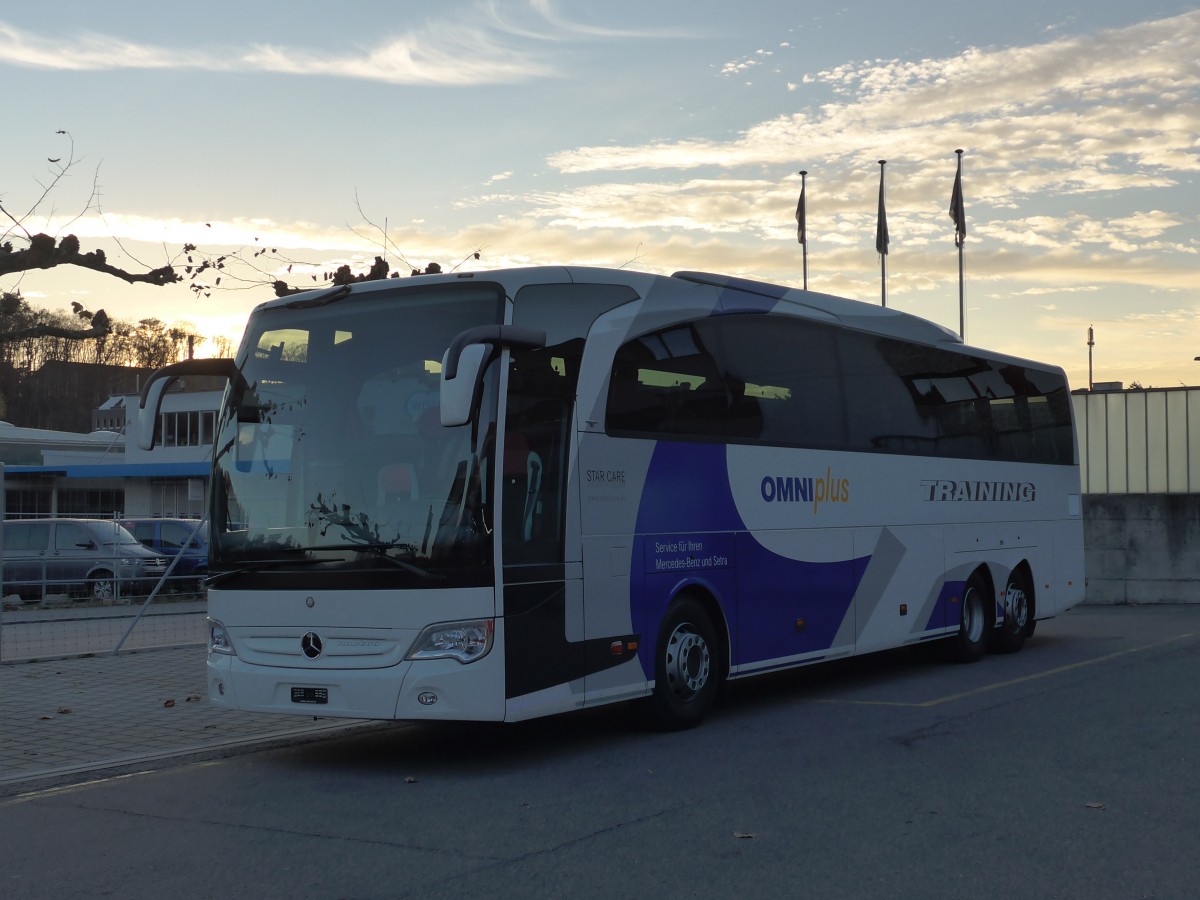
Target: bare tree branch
(43, 254)
(100, 327)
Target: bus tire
(687, 668)
(975, 622)
(1018, 615)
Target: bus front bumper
(433, 689)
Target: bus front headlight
(464, 641)
(218, 638)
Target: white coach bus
(501, 495)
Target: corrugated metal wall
(1139, 441)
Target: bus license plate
(310, 695)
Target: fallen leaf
(193, 698)
(169, 703)
(64, 710)
(44, 718)
(743, 835)
(1095, 805)
(408, 779)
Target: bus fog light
(427, 698)
(218, 638)
(463, 641)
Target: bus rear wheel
(687, 668)
(1018, 615)
(974, 627)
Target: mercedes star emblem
(310, 645)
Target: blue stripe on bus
(791, 606)
(946, 611)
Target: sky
(658, 136)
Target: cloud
(1072, 105)
(485, 43)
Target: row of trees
(30, 337)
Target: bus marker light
(616, 648)
(427, 698)
(904, 609)
(800, 623)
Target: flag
(881, 229)
(958, 211)
(801, 224)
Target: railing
(82, 629)
(55, 621)
(1139, 441)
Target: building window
(177, 497)
(188, 428)
(91, 503)
(27, 501)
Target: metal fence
(51, 620)
(1139, 441)
(80, 630)
(71, 600)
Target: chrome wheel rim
(688, 662)
(1016, 608)
(973, 617)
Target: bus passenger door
(542, 603)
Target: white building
(98, 474)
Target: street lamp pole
(1092, 343)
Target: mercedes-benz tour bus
(500, 495)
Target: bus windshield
(331, 455)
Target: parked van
(88, 558)
(175, 537)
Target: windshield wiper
(218, 577)
(380, 550)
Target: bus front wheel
(975, 622)
(687, 668)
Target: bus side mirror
(150, 402)
(459, 394)
(465, 360)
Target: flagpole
(804, 224)
(881, 236)
(960, 236)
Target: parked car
(174, 537)
(88, 558)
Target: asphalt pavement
(66, 716)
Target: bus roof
(851, 313)
(854, 314)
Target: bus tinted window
(792, 382)
(782, 378)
